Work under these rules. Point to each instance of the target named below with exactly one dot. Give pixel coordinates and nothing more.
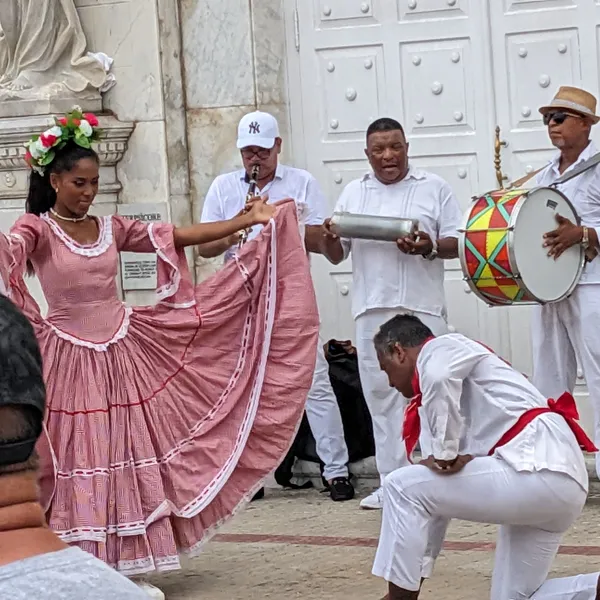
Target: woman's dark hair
(42, 197)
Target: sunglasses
(559, 117)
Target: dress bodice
(79, 280)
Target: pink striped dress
(162, 421)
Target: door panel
(411, 60)
(450, 71)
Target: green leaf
(82, 141)
(46, 159)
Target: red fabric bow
(565, 407)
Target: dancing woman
(162, 420)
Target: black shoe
(259, 495)
(340, 489)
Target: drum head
(547, 280)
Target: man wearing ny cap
(570, 329)
(34, 563)
(259, 143)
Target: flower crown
(76, 125)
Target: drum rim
(511, 255)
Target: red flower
(48, 140)
(91, 119)
(63, 121)
(28, 157)
(76, 122)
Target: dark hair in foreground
(406, 330)
(384, 124)
(42, 197)
(22, 390)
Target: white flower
(76, 108)
(37, 149)
(55, 131)
(85, 128)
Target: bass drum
(501, 248)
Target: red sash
(564, 406)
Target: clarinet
(250, 195)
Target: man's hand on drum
(420, 244)
(567, 234)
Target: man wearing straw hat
(570, 329)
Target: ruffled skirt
(160, 436)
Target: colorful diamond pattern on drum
(486, 249)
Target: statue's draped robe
(42, 42)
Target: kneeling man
(499, 452)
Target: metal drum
(501, 248)
(371, 227)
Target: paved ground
(301, 545)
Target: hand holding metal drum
(371, 227)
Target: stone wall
(127, 30)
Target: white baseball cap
(257, 129)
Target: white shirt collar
(588, 152)
(413, 173)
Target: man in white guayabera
(497, 451)
(260, 145)
(391, 278)
(567, 330)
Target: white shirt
(584, 193)
(383, 276)
(226, 196)
(471, 398)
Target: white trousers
(325, 420)
(386, 405)
(534, 510)
(560, 333)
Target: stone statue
(43, 53)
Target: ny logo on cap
(254, 127)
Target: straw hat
(575, 100)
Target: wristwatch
(434, 251)
(585, 239)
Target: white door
(450, 71)
(417, 61)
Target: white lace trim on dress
(100, 246)
(170, 288)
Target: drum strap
(519, 182)
(582, 168)
(591, 162)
